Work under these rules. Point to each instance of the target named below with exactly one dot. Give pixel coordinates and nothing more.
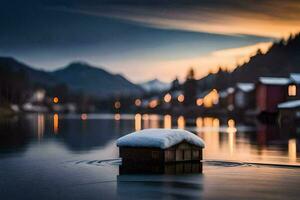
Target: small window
(292, 90)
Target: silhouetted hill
(85, 78)
(78, 77)
(280, 60)
(34, 76)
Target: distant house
(226, 98)
(289, 111)
(244, 97)
(159, 146)
(270, 91)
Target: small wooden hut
(160, 146)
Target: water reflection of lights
(167, 121)
(231, 142)
(199, 122)
(154, 121)
(40, 125)
(84, 116)
(181, 122)
(55, 123)
(138, 122)
(292, 149)
(145, 118)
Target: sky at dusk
(143, 39)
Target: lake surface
(75, 157)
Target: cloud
(250, 17)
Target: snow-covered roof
(274, 80)
(295, 77)
(289, 104)
(245, 87)
(159, 138)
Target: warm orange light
(292, 90)
(117, 117)
(167, 98)
(211, 98)
(180, 98)
(55, 123)
(83, 116)
(138, 102)
(181, 122)
(55, 100)
(231, 126)
(117, 104)
(167, 121)
(153, 103)
(138, 121)
(231, 123)
(199, 102)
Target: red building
(271, 91)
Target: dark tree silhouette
(190, 89)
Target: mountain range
(78, 77)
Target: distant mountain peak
(155, 85)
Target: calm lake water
(75, 157)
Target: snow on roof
(289, 104)
(295, 77)
(245, 87)
(159, 138)
(274, 81)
